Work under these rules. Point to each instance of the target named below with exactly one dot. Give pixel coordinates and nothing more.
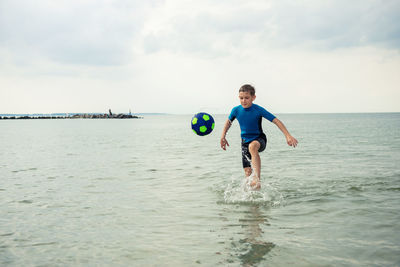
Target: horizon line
(171, 113)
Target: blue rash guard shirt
(250, 120)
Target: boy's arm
(291, 141)
(223, 141)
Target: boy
(254, 140)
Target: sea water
(149, 192)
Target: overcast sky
(185, 56)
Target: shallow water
(148, 192)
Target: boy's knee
(254, 147)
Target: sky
(186, 56)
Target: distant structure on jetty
(110, 115)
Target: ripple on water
(356, 188)
(26, 201)
(25, 170)
(7, 234)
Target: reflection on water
(253, 246)
(248, 246)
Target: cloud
(73, 32)
(94, 32)
(205, 28)
(337, 24)
(220, 29)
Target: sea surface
(149, 192)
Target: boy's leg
(246, 159)
(255, 157)
(255, 162)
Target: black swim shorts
(246, 157)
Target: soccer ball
(202, 123)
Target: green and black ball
(202, 123)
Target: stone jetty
(110, 115)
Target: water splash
(240, 191)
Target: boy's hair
(247, 88)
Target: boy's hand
(291, 141)
(224, 143)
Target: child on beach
(254, 140)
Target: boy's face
(246, 99)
